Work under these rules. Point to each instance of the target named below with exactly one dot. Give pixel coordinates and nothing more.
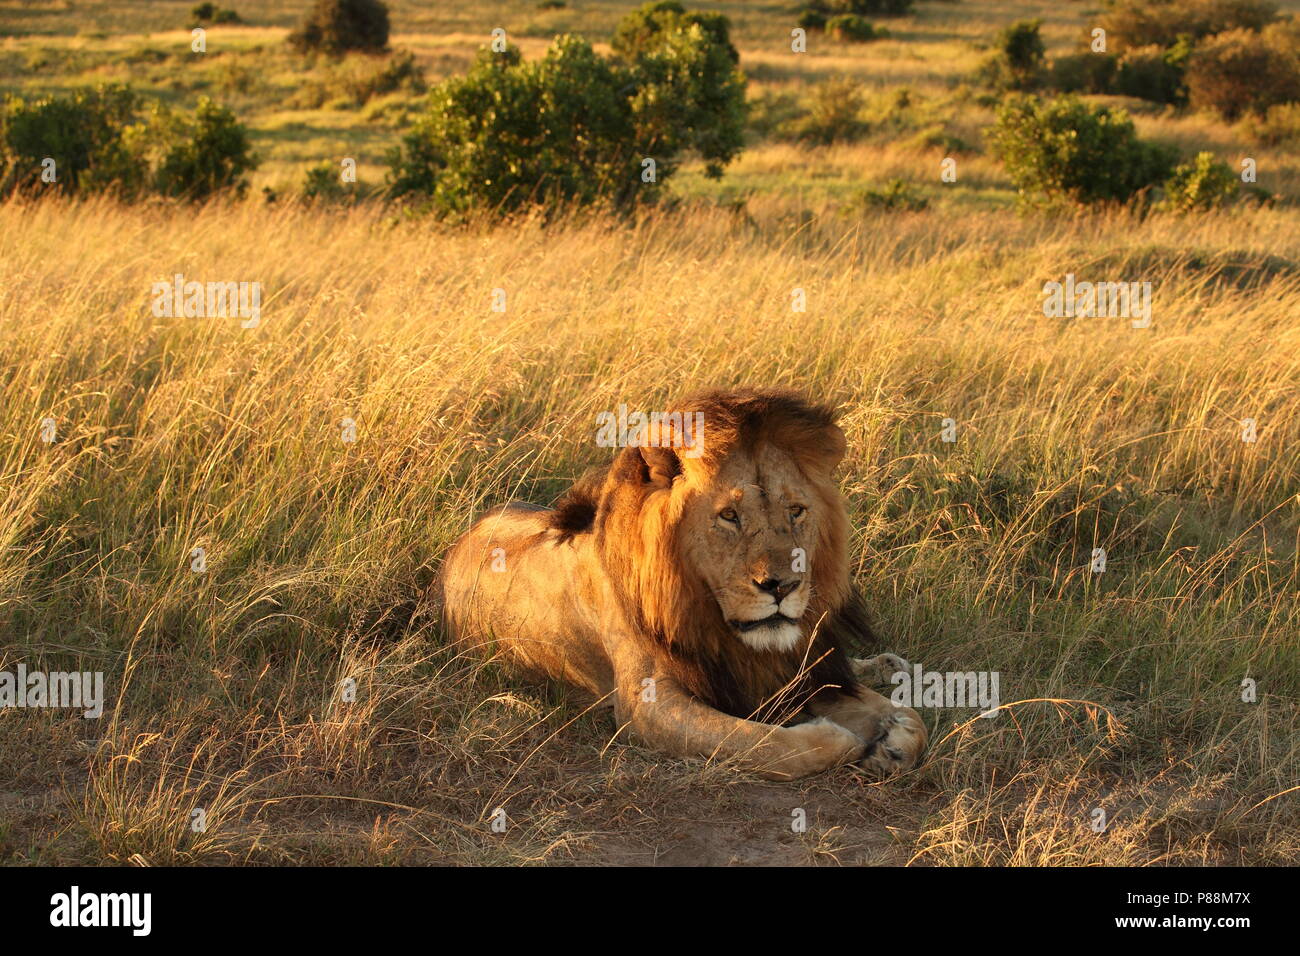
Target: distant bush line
(576, 127)
(579, 128)
(102, 140)
(1232, 57)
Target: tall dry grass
(1073, 434)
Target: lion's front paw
(811, 747)
(879, 669)
(899, 742)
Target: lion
(701, 588)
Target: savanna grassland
(1122, 690)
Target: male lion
(704, 592)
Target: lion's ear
(647, 466)
(659, 465)
(831, 448)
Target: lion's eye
(729, 514)
(797, 511)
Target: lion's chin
(780, 636)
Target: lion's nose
(776, 587)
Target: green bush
(643, 29)
(1022, 46)
(834, 114)
(336, 26)
(1200, 184)
(813, 19)
(83, 132)
(1064, 150)
(324, 184)
(100, 143)
(937, 138)
(817, 14)
(355, 79)
(211, 13)
(1083, 73)
(1154, 73)
(1279, 126)
(1241, 71)
(212, 154)
(575, 127)
(851, 28)
(1140, 23)
(1148, 72)
(361, 81)
(895, 195)
(687, 95)
(1020, 62)
(877, 8)
(511, 133)
(769, 112)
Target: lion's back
(516, 585)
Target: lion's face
(735, 555)
(752, 529)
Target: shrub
(1279, 126)
(233, 76)
(574, 126)
(1022, 46)
(1083, 73)
(643, 29)
(1153, 73)
(213, 154)
(509, 133)
(1200, 184)
(1019, 63)
(881, 8)
(211, 13)
(687, 95)
(1140, 23)
(817, 14)
(336, 26)
(851, 28)
(100, 144)
(771, 114)
(323, 184)
(1241, 71)
(361, 82)
(834, 114)
(1150, 72)
(937, 138)
(894, 195)
(1062, 149)
(895, 111)
(812, 19)
(355, 79)
(83, 132)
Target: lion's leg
(668, 718)
(895, 735)
(878, 670)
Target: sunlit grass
(176, 433)
(180, 432)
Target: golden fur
(706, 595)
